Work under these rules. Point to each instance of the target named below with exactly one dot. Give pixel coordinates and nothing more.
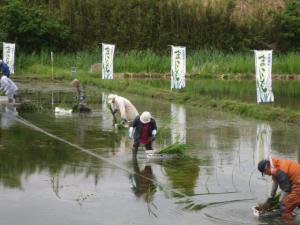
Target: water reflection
(107, 118)
(263, 142)
(223, 148)
(178, 125)
(7, 116)
(183, 174)
(143, 185)
(142, 181)
(56, 186)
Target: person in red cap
(285, 174)
(144, 133)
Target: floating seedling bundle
(173, 150)
(176, 148)
(269, 208)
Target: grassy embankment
(200, 64)
(209, 65)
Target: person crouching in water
(285, 174)
(145, 131)
(81, 106)
(122, 105)
(9, 88)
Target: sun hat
(262, 165)
(110, 98)
(145, 117)
(75, 82)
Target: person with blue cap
(4, 68)
(285, 174)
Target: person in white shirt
(9, 88)
(122, 105)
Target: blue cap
(262, 165)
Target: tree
(289, 27)
(32, 28)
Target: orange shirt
(291, 168)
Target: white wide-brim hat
(75, 82)
(145, 117)
(110, 98)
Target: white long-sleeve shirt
(8, 86)
(125, 107)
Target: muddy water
(91, 178)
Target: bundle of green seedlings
(176, 148)
(269, 206)
(117, 122)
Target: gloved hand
(130, 132)
(270, 200)
(154, 132)
(114, 111)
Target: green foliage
(146, 24)
(202, 63)
(289, 26)
(32, 28)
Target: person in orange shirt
(285, 174)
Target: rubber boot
(149, 146)
(134, 152)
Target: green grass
(200, 63)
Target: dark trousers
(137, 144)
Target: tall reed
(200, 63)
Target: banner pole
(52, 64)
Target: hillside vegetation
(72, 25)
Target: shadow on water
(211, 186)
(143, 186)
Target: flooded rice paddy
(77, 169)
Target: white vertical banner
(108, 61)
(178, 67)
(9, 55)
(263, 142)
(263, 70)
(178, 126)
